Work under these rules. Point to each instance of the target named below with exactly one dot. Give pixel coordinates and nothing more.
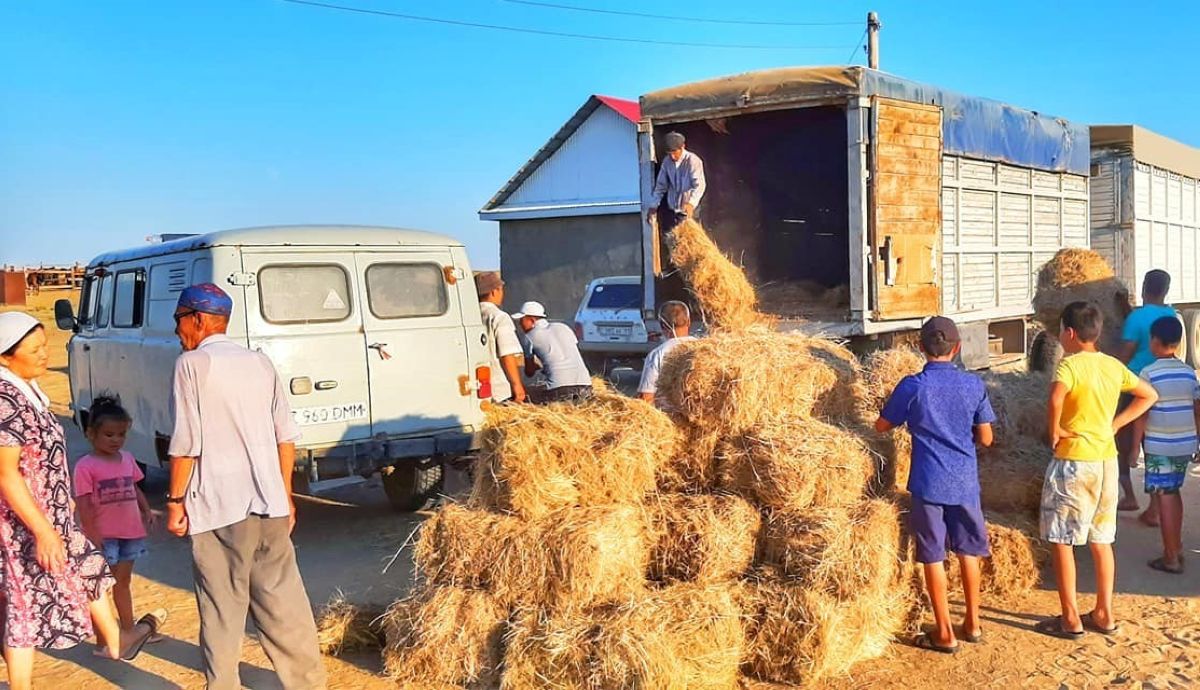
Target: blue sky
(122, 119)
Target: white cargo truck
(375, 332)
(1145, 196)
(860, 203)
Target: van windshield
(616, 297)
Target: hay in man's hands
(726, 299)
(1081, 275)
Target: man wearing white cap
(552, 347)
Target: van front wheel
(410, 485)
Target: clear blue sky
(121, 119)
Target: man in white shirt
(232, 454)
(554, 349)
(676, 320)
(680, 181)
(503, 344)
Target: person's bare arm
(531, 366)
(648, 397)
(287, 465)
(512, 371)
(87, 518)
(51, 554)
(181, 476)
(984, 435)
(1137, 434)
(882, 425)
(1054, 430)
(1127, 351)
(1144, 397)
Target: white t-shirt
(653, 367)
(502, 342)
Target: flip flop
(1160, 564)
(973, 639)
(1053, 628)
(1089, 623)
(924, 641)
(153, 620)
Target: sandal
(1053, 628)
(1089, 623)
(1160, 564)
(153, 620)
(925, 641)
(975, 638)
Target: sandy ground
(345, 539)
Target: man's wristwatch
(175, 499)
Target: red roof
(627, 109)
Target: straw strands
(344, 627)
(726, 299)
(701, 538)
(682, 637)
(1081, 275)
(444, 635)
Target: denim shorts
(118, 550)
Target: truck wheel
(1044, 352)
(410, 485)
(1191, 337)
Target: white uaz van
(375, 333)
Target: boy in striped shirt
(1167, 434)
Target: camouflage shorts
(1079, 502)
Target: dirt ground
(346, 538)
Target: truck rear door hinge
(242, 279)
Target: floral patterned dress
(44, 610)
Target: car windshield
(616, 297)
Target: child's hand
(150, 518)
(1060, 434)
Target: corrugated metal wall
(999, 224)
(1164, 230)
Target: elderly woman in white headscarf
(54, 579)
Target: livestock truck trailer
(860, 203)
(1145, 214)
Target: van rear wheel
(411, 485)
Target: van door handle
(378, 347)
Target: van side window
(401, 291)
(130, 301)
(309, 293)
(104, 301)
(87, 301)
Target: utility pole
(873, 27)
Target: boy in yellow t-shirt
(1079, 495)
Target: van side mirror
(64, 315)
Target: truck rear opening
(777, 203)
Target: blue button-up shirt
(941, 406)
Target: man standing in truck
(680, 180)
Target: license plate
(615, 330)
(330, 414)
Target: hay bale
(726, 299)
(682, 637)
(1081, 274)
(444, 635)
(802, 636)
(703, 538)
(537, 459)
(835, 551)
(1013, 567)
(733, 383)
(345, 627)
(882, 372)
(796, 465)
(1019, 400)
(572, 557)
(1011, 475)
(693, 466)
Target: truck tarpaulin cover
(972, 127)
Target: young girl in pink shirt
(113, 510)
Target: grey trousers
(250, 566)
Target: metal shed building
(571, 212)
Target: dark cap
(487, 281)
(938, 330)
(674, 141)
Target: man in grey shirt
(553, 348)
(232, 454)
(680, 180)
(503, 345)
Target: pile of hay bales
(1081, 275)
(749, 534)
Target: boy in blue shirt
(947, 411)
(1135, 353)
